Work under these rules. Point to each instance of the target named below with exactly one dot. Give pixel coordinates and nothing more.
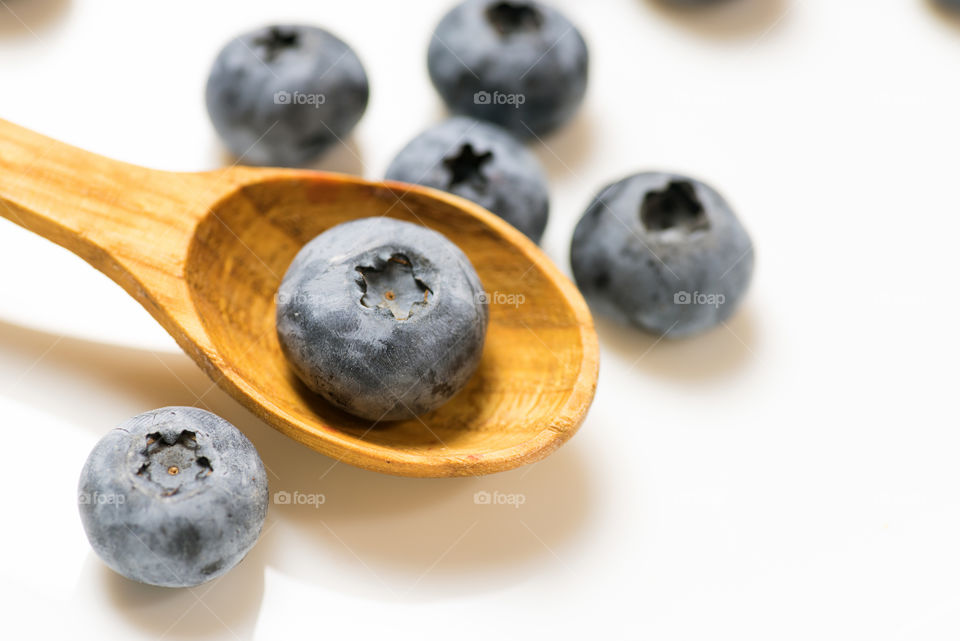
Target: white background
(792, 476)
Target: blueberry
(522, 64)
(281, 95)
(383, 318)
(663, 252)
(173, 497)
(482, 163)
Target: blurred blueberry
(522, 64)
(173, 497)
(383, 318)
(281, 95)
(662, 252)
(483, 163)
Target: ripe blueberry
(281, 95)
(519, 64)
(482, 163)
(383, 318)
(663, 252)
(173, 497)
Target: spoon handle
(100, 209)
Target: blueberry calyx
(276, 40)
(674, 207)
(169, 458)
(514, 17)
(394, 287)
(467, 166)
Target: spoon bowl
(205, 253)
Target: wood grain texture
(204, 254)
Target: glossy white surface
(792, 476)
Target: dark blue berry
(662, 252)
(281, 95)
(521, 65)
(482, 163)
(173, 497)
(383, 318)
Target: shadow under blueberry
(344, 157)
(406, 432)
(329, 413)
(949, 16)
(726, 19)
(563, 151)
(718, 352)
(230, 603)
(29, 18)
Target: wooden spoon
(205, 252)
